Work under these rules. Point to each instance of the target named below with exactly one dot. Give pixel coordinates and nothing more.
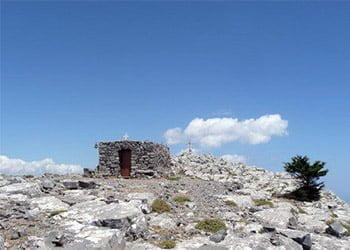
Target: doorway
(125, 162)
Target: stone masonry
(147, 158)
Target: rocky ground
(207, 204)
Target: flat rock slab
(30, 189)
(336, 229)
(98, 238)
(164, 221)
(242, 201)
(277, 217)
(95, 210)
(76, 196)
(148, 197)
(48, 204)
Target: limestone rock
(336, 229)
(48, 204)
(30, 189)
(218, 236)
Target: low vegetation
(331, 221)
(263, 203)
(181, 199)
(56, 212)
(347, 227)
(231, 203)
(211, 225)
(298, 211)
(160, 206)
(167, 244)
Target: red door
(125, 162)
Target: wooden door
(125, 162)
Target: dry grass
(211, 225)
(160, 206)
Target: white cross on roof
(125, 137)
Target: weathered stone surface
(274, 216)
(30, 189)
(164, 221)
(242, 201)
(72, 197)
(87, 184)
(147, 197)
(97, 238)
(292, 223)
(47, 184)
(47, 204)
(70, 184)
(304, 239)
(218, 236)
(91, 211)
(336, 229)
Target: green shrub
(167, 244)
(181, 199)
(231, 203)
(211, 225)
(263, 203)
(56, 212)
(160, 206)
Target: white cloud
(215, 132)
(174, 136)
(234, 158)
(18, 167)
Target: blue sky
(74, 73)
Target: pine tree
(307, 175)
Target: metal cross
(189, 146)
(125, 137)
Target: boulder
(218, 236)
(96, 239)
(34, 242)
(148, 197)
(47, 204)
(70, 184)
(242, 201)
(292, 223)
(30, 189)
(91, 211)
(277, 217)
(76, 196)
(336, 229)
(47, 184)
(304, 239)
(164, 221)
(87, 184)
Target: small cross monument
(125, 137)
(189, 146)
